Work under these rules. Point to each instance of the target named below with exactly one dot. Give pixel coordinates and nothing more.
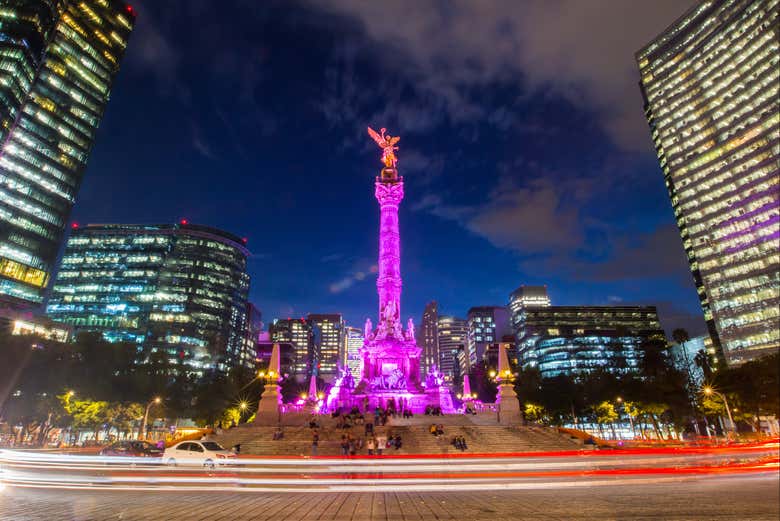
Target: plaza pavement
(701, 498)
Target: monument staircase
(482, 435)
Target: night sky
(525, 152)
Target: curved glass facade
(58, 61)
(178, 288)
(711, 84)
(580, 339)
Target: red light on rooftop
(129, 9)
(244, 240)
(75, 226)
(184, 221)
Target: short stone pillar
(268, 408)
(508, 404)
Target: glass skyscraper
(486, 325)
(327, 338)
(453, 336)
(580, 339)
(58, 61)
(178, 288)
(428, 337)
(711, 83)
(297, 332)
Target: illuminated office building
(428, 337)
(711, 84)
(327, 338)
(486, 325)
(179, 288)
(297, 332)
(581, 339)
(58, 62)
(453, 335)
(352, 360)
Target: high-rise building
(58, 62)
(297, 332)
(453, 336)
(252, 329)
(486, 325)
(327, 338)
(581, 339)
(711, 85)
(178, 288)
(353, 341)
(428, 337)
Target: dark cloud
(537, 217)
(582, 51)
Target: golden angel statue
(387, 144)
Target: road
(740, 497)
(740, 482)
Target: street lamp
(155, 401)
(709, 391)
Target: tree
(535, 413)
(88, 414)
(605, 413)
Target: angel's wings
(376, 137)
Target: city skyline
(499, 198)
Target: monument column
(389, 191)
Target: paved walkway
(754, 498)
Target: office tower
(353, 341)
(581, 339)
(711, 85)
(253, 326)
(486, 325)
(453, 335)
(297, 332)
(428, 337)
(58, 62)
(327, 337)
(178, 288)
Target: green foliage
(535, 413)
(605, 412)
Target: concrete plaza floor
(739, 497)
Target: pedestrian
(381, 443)
(370, 444)
(315, 441)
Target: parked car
(206, 453)
(135, 448)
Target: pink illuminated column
(389, 192)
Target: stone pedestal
(508, 405)
(441, 397)
(268, 409)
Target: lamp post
(619, 400)
(142, 430)
(709, 391)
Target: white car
(205, 453)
